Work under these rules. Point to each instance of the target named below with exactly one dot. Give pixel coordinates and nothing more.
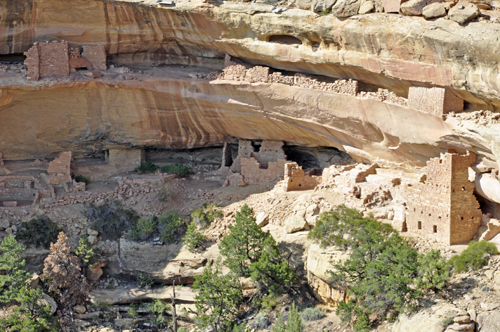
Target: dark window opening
(419, 225)
(12, 58)
(435, 228)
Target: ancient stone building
(444, 206)
(437, 101)
(296, 179)
(56, 59)
(125, 158)
(60, 169)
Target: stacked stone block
(96, 55)
(437, 101)
(60, 169)
(55, 59)
(444, 207)
(253, 173)
(296, 179)
(259, 74)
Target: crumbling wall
(261, 74)
(296, 179)
(437, 101)
(32, 62)
(444, 207)
(96, 55)
(126, 158)
(76, 60)
(253, 173)
(60, 169)
(54, 59)
(269, 151)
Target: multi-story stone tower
(444, 207)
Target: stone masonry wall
(126, 157)
(437, 101)
(54, 59)
(32, 62)
(296, 179)
(444, 207)
(60, 169)
(261, 74)
(96, 55)
(254, 174)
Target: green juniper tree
(218, 297)
(12, 273)
(243, 244)
(29, 316)
(248, 251)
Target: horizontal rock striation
(390, 51)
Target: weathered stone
(4, 223)
(322, 5)
(88, 316)
(489, 306)
(462, 319)
(413, 7)
(463, 14)
(33, 281)
(434, 10)
(125, 322)
(92, 232)
(80, 309)
(48, 301)
(295, 223)
(346, 8)
(262, 219)
(366, 7)
(461, 327)
(491, 322)
(92, 239)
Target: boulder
(366, 7)
(463, 14)
(79, 309)
(413, 7)
(434, 10)
(491, 322)
(429, 320)
(460, 327)
(346, 8)
(262, 219)
(48, 301)
(322, 5)
(4, 224)
(317, 267)
(493, 228)
(295, 223)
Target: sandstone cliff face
(379, 50)
(386, 50)
(176, 113)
